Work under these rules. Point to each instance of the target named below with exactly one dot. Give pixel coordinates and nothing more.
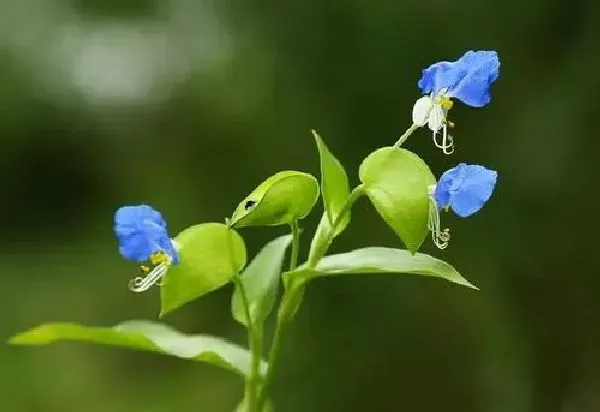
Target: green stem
(281, 323)
(255, 343)
(323, 246)
(407, 133)
(288, 301)
(295, 245)
(273, 356)
(292, 296)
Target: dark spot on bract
(249, 204)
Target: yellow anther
(158, 258)
(145, 269)
(446, 103)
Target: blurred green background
(188, 104)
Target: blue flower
(464, 189)
(143, 237)
(468, 79)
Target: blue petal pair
(467, 79)
(464, 189)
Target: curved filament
(447, 144)
(141, 284)
(440, 237)
(447, 141)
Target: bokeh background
(188, 104)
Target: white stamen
(437, 117)
(437, 121)
(447, 141)
(141, 284)
(435, 141)
(447, 144)
(439, 236)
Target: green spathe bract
(373, 260)
(146, 336)
(260, 280)
(211, 254)
(283, 198)
(396, 181)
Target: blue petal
(142, 231)
(166, 245)
(473, 191)
(482, 70)
(467, 79)
(466, 188)
(442, 75)
(442, 189)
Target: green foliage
(334, 185)
(260, 280)
(283, 198)
(146, 336)
(373, 260)
(211, 254)
(396, 181)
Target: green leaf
(261, 281)
(396, 182)
(373, 260)
(211, 254)
(334, 184)
(281, 199)
(146, 336)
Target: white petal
(421, 110)
(436, 118)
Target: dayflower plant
(208, 256)
(143, 237)
(467, 79)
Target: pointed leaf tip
(334, 184)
